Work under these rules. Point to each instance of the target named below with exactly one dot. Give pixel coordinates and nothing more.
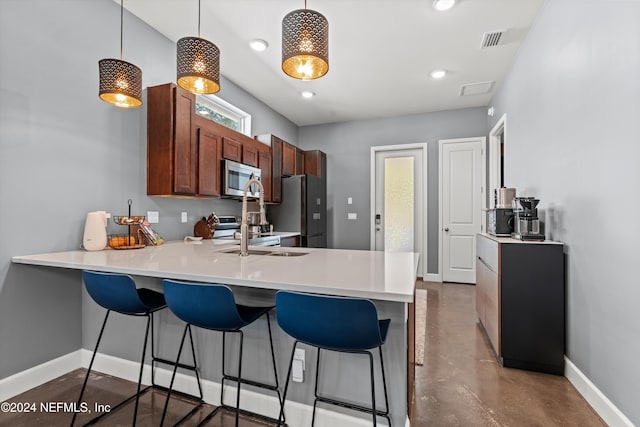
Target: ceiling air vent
(491, 39)
(479, 88)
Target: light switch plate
(352, 215)
(349, 200)
(153, 217)
(183, 217)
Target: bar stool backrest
(115, 292)
(207, 305)
(335, 323)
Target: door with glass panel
(398, 218)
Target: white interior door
(461, 207)
(398, 221)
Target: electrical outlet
(183, 217)
(297, 369)
(352, 215)
(153, 217)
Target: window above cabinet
(218, 110)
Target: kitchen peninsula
(387, 278)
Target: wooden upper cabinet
(315, 163)
(231, 149)
(208, 164)
(171, 144)
(276, 169)
(249, 155)
(183, 150)
(264, 163)
(288, 159)
(185, 153)
(299, 166)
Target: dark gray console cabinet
(520, 301)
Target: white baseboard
(22, 381)
(296, 413)
(598, 401)
(433, 277)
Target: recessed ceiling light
(259, 45)
(438, 74)
(308, 94)
(443, 4)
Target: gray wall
(572, 100)
(63, 153)
(348, 147)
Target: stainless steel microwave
(234, 177)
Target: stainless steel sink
(251, 252)
(284, 253)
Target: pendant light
(120, 81)
(305, 44)
(198, 64)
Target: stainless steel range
(230, 225)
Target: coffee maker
(526, 224)
(500, 218)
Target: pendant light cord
(198, 18)
(121, 21)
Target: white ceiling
(380, 51)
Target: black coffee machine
(526, 225)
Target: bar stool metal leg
(286, 384)
(86, 377)
(373, 390)
(273, 359)
(144, 351)
(177, 364)
(373, 410)
(384, 413)
(226, 376)
(138, 390)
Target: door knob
(446, 229)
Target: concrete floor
(460, 384)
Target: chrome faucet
(244, 227)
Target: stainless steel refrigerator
(303, 209)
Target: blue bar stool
(118, 292)
(212, 306)
(342, 324)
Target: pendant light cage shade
(120, 83)
(198, 65)
(305, 44)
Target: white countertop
(387, 276)
(504, 239)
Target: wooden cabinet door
(299, 167)
(288, 159)
(231, 149)
(250, 155)
(490, 291)
(208, 164)
(184, 147)
(160, 122)
(315, 163)
(276, 169)
(264, 163)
